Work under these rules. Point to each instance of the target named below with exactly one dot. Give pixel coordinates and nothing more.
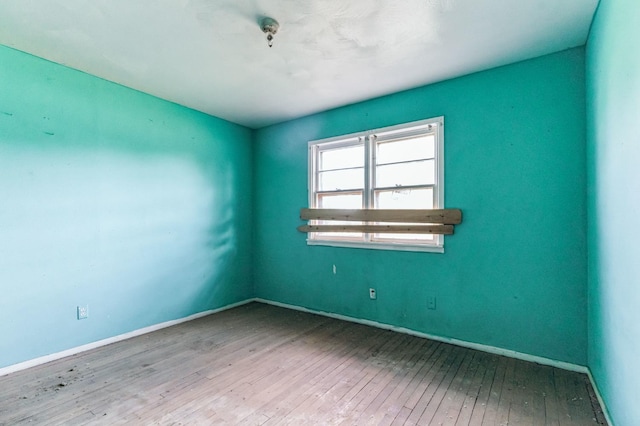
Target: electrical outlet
(431, 302)
(83, 312)
(372, 293)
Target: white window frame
(368, 138)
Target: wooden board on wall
(442, 216)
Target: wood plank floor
(264, 365)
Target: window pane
(414, 173)
(405, 199)
(415, 148)
(341, 179)
(352, 200)
(415, 198)
(342, 158)
(339, 201)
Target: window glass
(404, 199)
(337, 180)
(414, 148)
(404, 174)
(410, 198)
(342, 158)
(340, 201)
(351, 200)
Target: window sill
(377, 246)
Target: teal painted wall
(108, 197)
(613, 87)
(514, 275)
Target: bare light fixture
(270, 28)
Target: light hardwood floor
(264, 365)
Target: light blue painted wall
(108, 197)
(514, 275)
(613, 87)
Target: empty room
(358, 213)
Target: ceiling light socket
(270, 27)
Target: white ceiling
(211, 55)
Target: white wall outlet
(83, 312)
(334, 269)
(372, 294)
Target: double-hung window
(398, 167)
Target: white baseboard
(78, 349)
(477, 346)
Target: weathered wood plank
(442, 216)
(452, 404)
(506, 396)
(432, 394)
(378, 389)
(393, 405)
(455, 374)
(477, 391)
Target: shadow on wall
(113, 199)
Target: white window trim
(381, 133)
